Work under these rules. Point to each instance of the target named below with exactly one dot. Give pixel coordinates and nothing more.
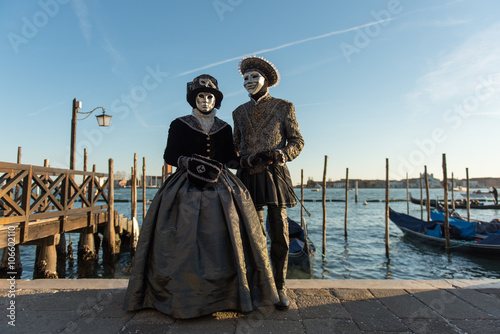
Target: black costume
(266, 126)
(201, 250)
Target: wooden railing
(31, 193)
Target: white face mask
(253, 81)
(205, 102)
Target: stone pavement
(318, 306)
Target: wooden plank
(53, 214)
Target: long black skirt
(201, 252)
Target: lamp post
(103, 120)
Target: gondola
(301, 251)
(464, 236)
(458, 204)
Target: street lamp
(103, 120)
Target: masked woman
(202, 248)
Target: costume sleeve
(229, 149)
(174, 147)
(236, 135)
(294, 139)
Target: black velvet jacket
(186, 137)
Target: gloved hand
(183, 162)
(272, 157)
(203, 172)
(248, 161)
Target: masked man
(266, 136)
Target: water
(360, 255)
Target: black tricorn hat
(203, 83)
(264, 66)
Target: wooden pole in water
(356, 192)
(134, 188)
(446, 215)
(468, 194)
(109, 243)
(346, 200)
(452, 193)
(428, 200)
(421, 198)
(324, 206)
(301, 196)
(407, 195)
(143, 188)
(387, 207)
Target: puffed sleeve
(175, 142)
(294, 139)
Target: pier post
(109, 242)
(46, 258)
(86, 253)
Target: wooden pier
(38, 205)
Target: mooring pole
(446, 211)
(302, 197)
(452, 192)
(407, 194)
(324, 207)
(109, 243)
(468, 194)
(346, 200)
(428, 200)
(143, 188)
(387, 185)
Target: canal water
(360, 255)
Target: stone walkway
(318, 306)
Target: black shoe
(284, 303)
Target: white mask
(253, 82)
(205, 102)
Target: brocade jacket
(265, 125)
(187, 137)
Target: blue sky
(370, 80)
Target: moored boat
(464, 236)
(475, 204)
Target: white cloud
(282, 46)
(459, 74)
(82, 14)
